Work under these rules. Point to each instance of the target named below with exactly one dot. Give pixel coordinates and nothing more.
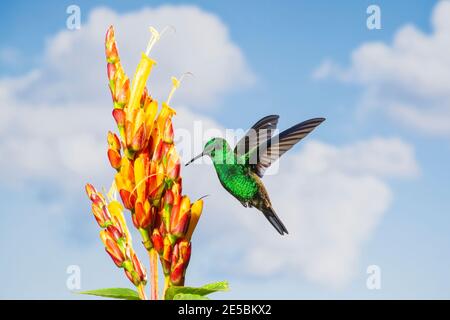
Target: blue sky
(383, 168)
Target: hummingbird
(240, 170)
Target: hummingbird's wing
(259, 132)
(262, 157)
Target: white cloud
(408, 79)
(326, 69)
(201, 45)
(381, 156)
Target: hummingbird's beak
(193, 159)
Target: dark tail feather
(275, 220)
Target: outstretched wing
(274, 148)
(261, 131)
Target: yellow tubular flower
(140, 78)
(150, 108)
(115, 208)
(196, 212)
(139, 176)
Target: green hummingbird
(240, 170)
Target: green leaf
(188, 296)
(201, 291)
(216, 286)
(115, 293)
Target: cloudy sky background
(369, 187)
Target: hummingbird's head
(215, 148)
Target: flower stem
(154, 273)
(141, 292)
(166, 285)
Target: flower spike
(147, 178)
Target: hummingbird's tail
(270, 214)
